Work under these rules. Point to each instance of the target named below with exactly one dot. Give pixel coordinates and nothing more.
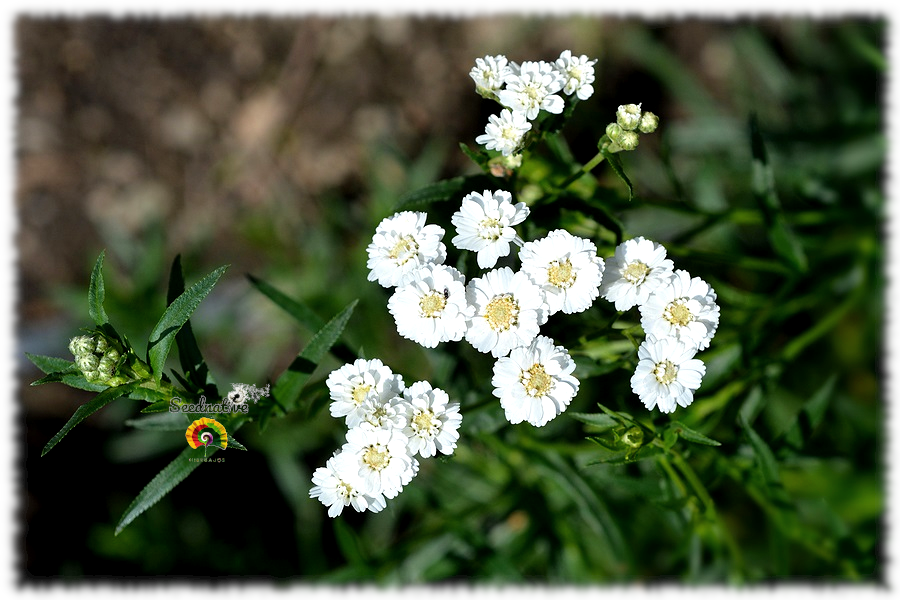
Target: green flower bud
(614, 131)
(629, 116)
(107, 366)
(649, 123)
(93, 376)
(87, 362)
(628, 140)
(634, 437)
(102, 345)
(112, 354)
(81, 345)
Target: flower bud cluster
(630, 119)
(104, 360)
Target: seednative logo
(206, 432)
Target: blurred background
(276, 145)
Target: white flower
(667, 373)
(637, 269)
(535, 383)
(685, 308)
(432, 308)
(566, 267)
(383, 413)
(509, 311)
(490, 73)
(381, 459)
(402, 244)
(505, 132)
(577, 73)
(484, 223)
(351, 385)
(338, 484)
(432, 420)
(533, 89)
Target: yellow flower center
(432, 304)
(359, 393)
(561, 274)
(536, 380)
(635, 272)
(490, 229)
(424, 422)
(405, 248)
(344, 489)
(665, 372)
(502, 312)
(677, 312)
(376, 457)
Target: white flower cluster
(679, 316)
(501, 311)
(388, 426)
(525, 90)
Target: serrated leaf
(479, 157)
(176, 315)
(690, 435)
(173, 474)
(189, 356)
(615, 163)
(89, 408)
(447, 189)
(233, 443)
(603, 421)
(97, 292)
(168, 421)
(287, 388)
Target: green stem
(582, 171)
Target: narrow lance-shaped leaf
(179, 311)
(686, 433)
(96, 293)
(287, 387)
(448, 189)
(765, 458)
(189, 355)
(162, 484)
(89, 408)
(615, 163)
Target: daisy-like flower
(484, 223)
(566, 267)
(577, 73)
(685, 309)
(432, 308)
(338, 484)
(382, 459)
(667, 373)
(490, 73)
(384, 413)
(351, 385)
(535, 383)
(532, 89)
(432, 420)
(505, 132)
(402, 244)
(509, 310)
(637, 269)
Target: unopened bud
(106, 366)
(629, 116)
(112, 354)
(634, 437)
(102, 345)
(81, 345)
(628, 140)
(649, 123)
(87, 362)
(613, 131)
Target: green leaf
(157, 407)
(233, 443)
(173, 474)
(60, 370)
(189, 356)
(167, 421)
(479, 157)
(176, 315)
(89, 408)
(288, 386)
(615, 163)
(768, 466)
(686, 433)
(96, 293)
(447, 189)
(811, 414)
(603, 421)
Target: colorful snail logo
(206, 432)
